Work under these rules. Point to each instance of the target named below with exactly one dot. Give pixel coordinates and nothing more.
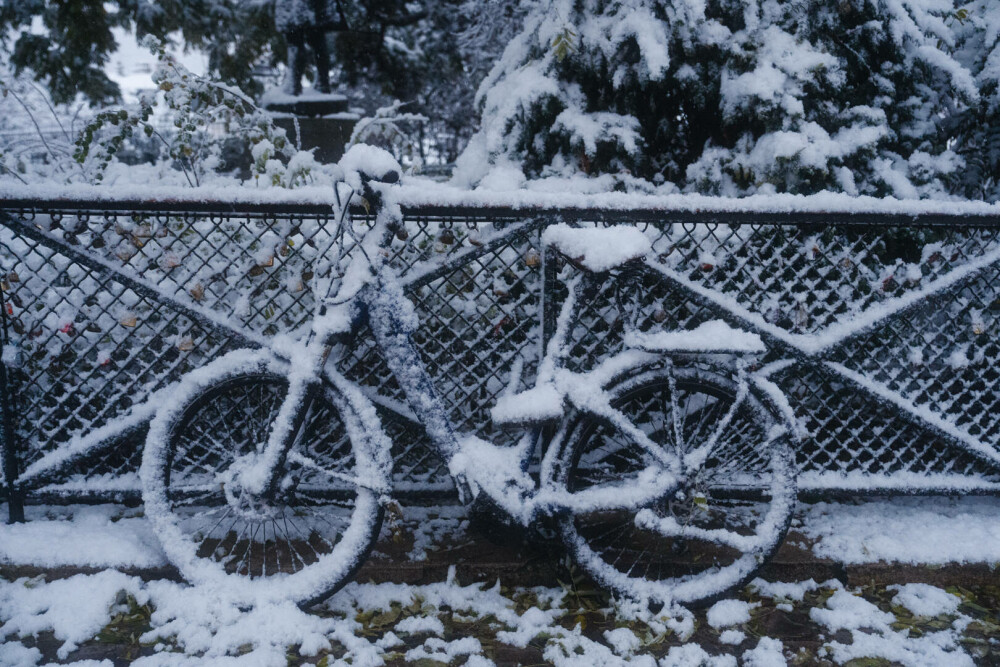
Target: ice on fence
(416, 191)
(562, 195)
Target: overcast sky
(131, 66)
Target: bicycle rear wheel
(727, 517)
(304, 543)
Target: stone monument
(316, 118)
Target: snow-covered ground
(168, 623)
(912, 530)
(447, 623)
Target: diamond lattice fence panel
(84, 346)
(810, 282)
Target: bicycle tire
(611, 546)
(216, 414)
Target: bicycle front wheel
(726, 517)
(302, 544)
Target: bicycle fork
(264, 477)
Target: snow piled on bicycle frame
(708, 337)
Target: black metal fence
(892, 322)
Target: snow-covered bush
(36, 133)
(394, 130)
(204, 114)
(733, 97)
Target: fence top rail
(443, 200)
(432, 200)
(131, 198)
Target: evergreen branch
(402, 21)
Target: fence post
(549, 307)
(8, 434)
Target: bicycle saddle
(597, 249)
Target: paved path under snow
(883, 540)
(849, 584)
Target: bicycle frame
(373, 296)
(339, 322)
(506, 480)
(369, 293)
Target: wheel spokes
(675, 416)
(257, 537)
(727, 514)
(671, 528)
(697, 456)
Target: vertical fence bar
(549, 312)
(8, 433)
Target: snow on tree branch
(733, 99)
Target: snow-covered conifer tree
(728, 96)
(976, 129)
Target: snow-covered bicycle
(666, 467)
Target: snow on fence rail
(889, 313)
